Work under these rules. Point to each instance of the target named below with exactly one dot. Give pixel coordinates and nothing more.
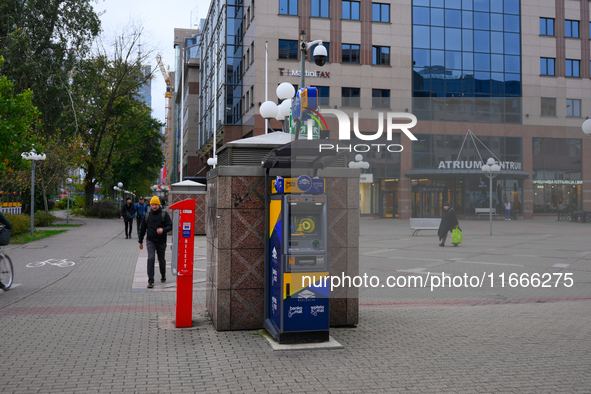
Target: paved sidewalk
(90, 331)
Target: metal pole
(32, 196)
(68, 214)
(490, 204)
(302, 76)
(266, 80)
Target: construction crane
(168, 119)
(166, 77)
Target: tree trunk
(44, 195)
(89, 193)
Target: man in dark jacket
(140, 211)
(156, 224)
(449, 221)
(127, 211)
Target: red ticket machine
(184, 231)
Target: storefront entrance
(427, 202)
(389, 204)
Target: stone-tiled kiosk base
(188, 189)
(235, 244)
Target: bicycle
(6, 271)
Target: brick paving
(97, 330)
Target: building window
(573, 108)
(252, 52)
(547, 26)
(380, 56)
(323, 95)
(548, 106)
(571, 29)
(320, 8)
(351, 97)
(380, 98)
(327, 46)
(572, 68)
(380, 12)
(350, 53)
(351, 10)
(547, 66)
(288, 49)
(288, 7)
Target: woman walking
(449, 221)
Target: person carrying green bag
(449, 222)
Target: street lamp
(362, 165)
(270, 110)
(587, 127)
(320, 54)
(68, 185)
(491, 170)
(285, 91)
(33, 156)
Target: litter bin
(515, 214)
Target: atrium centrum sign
(476, 164)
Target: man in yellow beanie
(156, 224)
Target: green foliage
(19, 117)
(20, 223)
(80, 201)
(104, 209)
(63, 203)
(43, 219)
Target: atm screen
(304, 225)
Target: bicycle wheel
(6, 273)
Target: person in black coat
(155, 227)
(127, 212)
(449, 221)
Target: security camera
(320, 55)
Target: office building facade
(507, 79)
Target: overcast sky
(159, 20)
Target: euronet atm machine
(298, 307)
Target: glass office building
(467, 60)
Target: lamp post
(68, 185)
(269, 110)
(491, 170)
(33, 156)
(362, 165)
(120, 185)
(285, 91)
(319, 54)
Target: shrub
(104, 209)
(79, 201)
(20, 223)
(60, 205)
(43, 219)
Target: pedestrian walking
(155, 227)
(507, 210)
(140, 211)
(127, 212)
(449, 221)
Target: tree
(42, 42)
(140, 152)
(18, 120)
(63, 155)
(107, 86)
